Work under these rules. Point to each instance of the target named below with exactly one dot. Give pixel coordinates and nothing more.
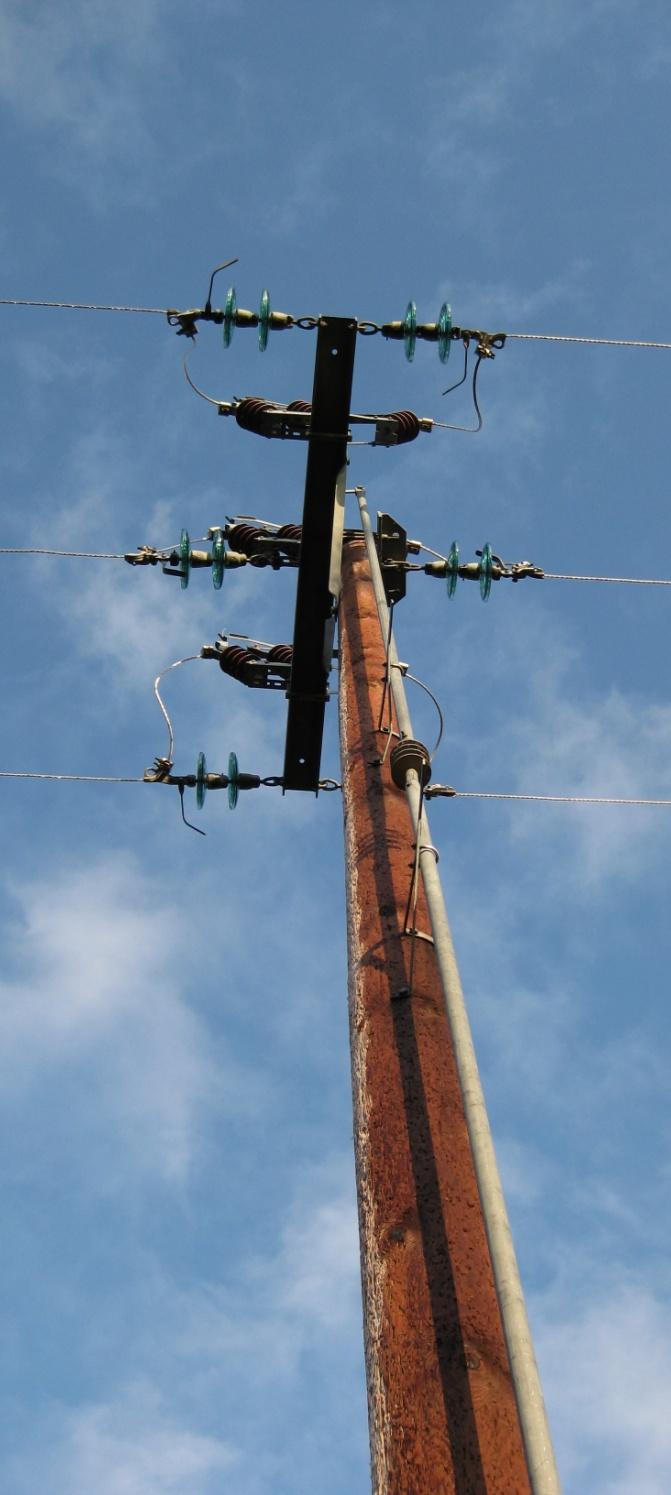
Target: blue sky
(179, 1257)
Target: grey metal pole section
(543, 1474)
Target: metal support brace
(318, 585)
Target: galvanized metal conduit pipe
(543, 1474)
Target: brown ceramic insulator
(407, 424)
(280, 654)
(243, 537)
(234, 661)
(250, 411)
(289, 532)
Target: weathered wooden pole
(442, 1412)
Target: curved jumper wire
(474, 392)
(441, 720)
(171, 736)
(217, 403)
(462, 380)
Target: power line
(162, 311)
(90, 555)
(447, 792)
(632, 581)
(113, 555)
(603, 342)
(155, 311)
(75, 778)
(432, 791)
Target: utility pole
(444, 1316)
(454, 1397)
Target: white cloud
(237, 1353)
(50, 65)
(95, 79)
(317, 1272)
(565, 739)
(131, 1445)
(469, 141)
(504, 304)
(96, 1014)
(287, 1300)
(607, 1378)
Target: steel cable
(632, 581)
(90, 555)
(76, 778)
(435, 791)
(604, 342)
(155, 311)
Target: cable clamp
(519, 569)
(489, 343)
(446, 790)
(145, 555)
(160, 773)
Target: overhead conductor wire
(162, 311)
(631, 581)
(75, 778)
(152, 311)
(84, 555)
(524, 1371)
(601, 342)
(446, 791)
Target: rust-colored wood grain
(442, 1413)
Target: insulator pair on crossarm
(488, 568)
(183, 559)
(232, 545)
(408, 330)
(234, 781)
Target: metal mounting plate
(319, 562)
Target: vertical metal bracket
(318, 585)
(392, 549)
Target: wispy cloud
(235, 1354)
(607, 1370)
(94, 78)
(94, 995)
(471, 135)
(131, 1445)
(72, 68)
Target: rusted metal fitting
(145, 555)
(409, 754)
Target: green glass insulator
(201, 786)
(452, 569)
(184, 558)
(486, 572)
(410, 330)
(444, 330)
(232, 781)
(230, 308)
(218, 559)
(264, 320)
